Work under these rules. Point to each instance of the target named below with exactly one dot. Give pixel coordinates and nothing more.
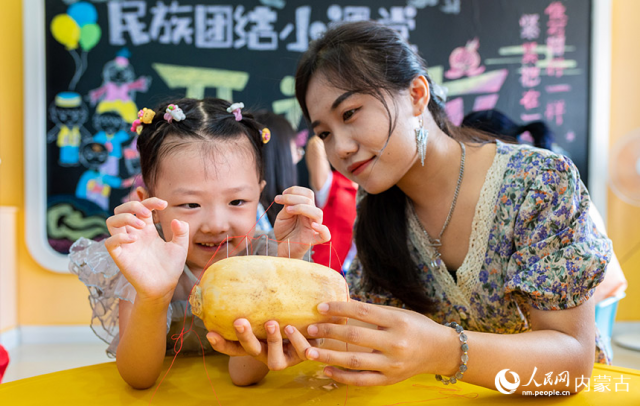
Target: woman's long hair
(370, 58)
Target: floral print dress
(532, 244)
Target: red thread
(179, 338)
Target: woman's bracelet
(464, 358)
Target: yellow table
(187, 384)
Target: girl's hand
(299, 222)
(405, 344)
(275, 354)
(150, 264)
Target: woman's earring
(421, 141)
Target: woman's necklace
(437, 242)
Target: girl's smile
(214, 189)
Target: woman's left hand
(299, 223)
(405, 344)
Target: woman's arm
(143, 340)
(408, 343)
(561, 340)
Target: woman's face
(355, 131)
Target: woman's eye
(237, 202)
(348, 114)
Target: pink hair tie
(236, 109)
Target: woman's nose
(344, 145)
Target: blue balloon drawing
(83, 13)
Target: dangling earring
(421, 141)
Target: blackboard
(106, 59)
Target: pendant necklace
(437, 242)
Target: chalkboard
(107, 59)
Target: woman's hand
(152, 265)
(299, 222)
(405, 344)
(275, 354)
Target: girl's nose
(215, 223)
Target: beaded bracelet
(464, 358)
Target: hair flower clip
(174, 112)
(136, 126)
(145, 116)
(236, 109)
(266, 135)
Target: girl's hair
(502, 127)
(370, 58)
(205, 120)
(279, 170)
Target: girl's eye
(323, 135)
(191, 205)
(237, 202)
(348, 114)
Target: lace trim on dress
(467, 274)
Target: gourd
(263, 288)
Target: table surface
(187, 384)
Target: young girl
(201, 161)
(452, 226)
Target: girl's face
(217, 193)
(355, 129)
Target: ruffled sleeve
(91, 261)
(559, 257)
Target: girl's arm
(409, 344)
(153, 267)
(143, 335)
(246, 370)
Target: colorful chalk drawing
(80, 116)
(289, 107)
(197, 79)
(119, 87)
(69, 218)
(111, 132)
(465, 61)
(274, 3)
(226, 26)
(68, 114)
(95, 185)
(78, 27)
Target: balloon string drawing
(77, 28)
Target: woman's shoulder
(529, 164)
